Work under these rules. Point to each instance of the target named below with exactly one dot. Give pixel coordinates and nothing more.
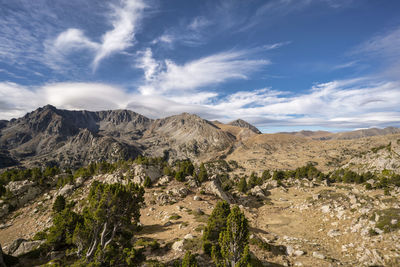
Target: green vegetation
(152, 244)
(147, 182)
(203, 175)
(242, 185)
(59, 204)
(215, 225)
(184, 168)
(101, 234)
(233, 241)
(260, 244)
(175, 217)
(389, 220)
(189, 260)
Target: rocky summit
(114, 188)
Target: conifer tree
(215, 225)
(112, 209)
(234, 241)
(189, 260)
(203, 175)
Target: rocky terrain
(293, 222)
(311, 198)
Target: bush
(40, 236)
(189, 260)
(147, 182)
(59, 204)
(242, 185)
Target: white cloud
(73, 39)
(386, 44)
(124, 20)
(199, 23)
(275, 45)
(357, 103)
(210, 70)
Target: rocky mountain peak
(244, 124)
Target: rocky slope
(244, 124)
(186, 136)
(74, 138)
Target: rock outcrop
(244, 124)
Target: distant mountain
(324, 135)
(365, 133)
(244, 124)
(185, 136)
(74, 138)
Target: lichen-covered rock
(26, 246)
(214, 188)
(66, 190)
(23, 192)
(140, 172)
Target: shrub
(59, 204)
(242, 185)
(189, 260)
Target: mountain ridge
(74, 138)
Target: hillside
(75, 138)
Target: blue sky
(282, 64)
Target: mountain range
(73, 138)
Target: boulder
(4, 210)
(179, 192)
(298, 253)
(140, 172)
(197, 198)
(23, 191)
(14, 245)
(270, 184)
(289, 250)
(257, 191)
(79, 181)
(163, 180)
(333, 233)
(325, 209)
(213, 187)
(178, 245)
(27, 246)
(318, 255)
(165, 199)
(66, 190)
(188, 236)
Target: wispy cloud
(385, 48)
(275, 45)
(167, 76)
(345, 65)
(124, 20)
(190, 33)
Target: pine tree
(234, 240)
(59, 204)
(242, 186)
(215, 225)
(189, 260)
(111, 211)
(203, 175)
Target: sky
(282, 65)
